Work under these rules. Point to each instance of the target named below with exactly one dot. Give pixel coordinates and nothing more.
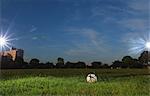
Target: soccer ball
(91, 78)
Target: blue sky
(77, 30)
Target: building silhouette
(13, 53)
(8, 58)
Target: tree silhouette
(144, 57)
(127, 61)
(75, 65)
(80, 64)
(96, 64)
(60, 63)
(34, 62)
(49, 65)
(69, 65)
(117, 64)
(105, 66)
(136, 64)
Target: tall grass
(68, 82)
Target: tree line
(126, 62)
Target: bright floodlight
(147, 45)
(2, 41)
(139, 43)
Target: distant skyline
(77, 30)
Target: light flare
(2, 41)
(147, 45)
(5, 41)
(139, 43)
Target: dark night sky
(85, 30)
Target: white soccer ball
(91, 78)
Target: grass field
(72, 82)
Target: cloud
(33, 29)
(3, 20)
(124, 10)
(135, 41)
(81, 51)
(110, 10)
(39, 37)
(138, 24)
(137, 21)
(140, 5)
(34, 38)
(92, 44)
(89, 34)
